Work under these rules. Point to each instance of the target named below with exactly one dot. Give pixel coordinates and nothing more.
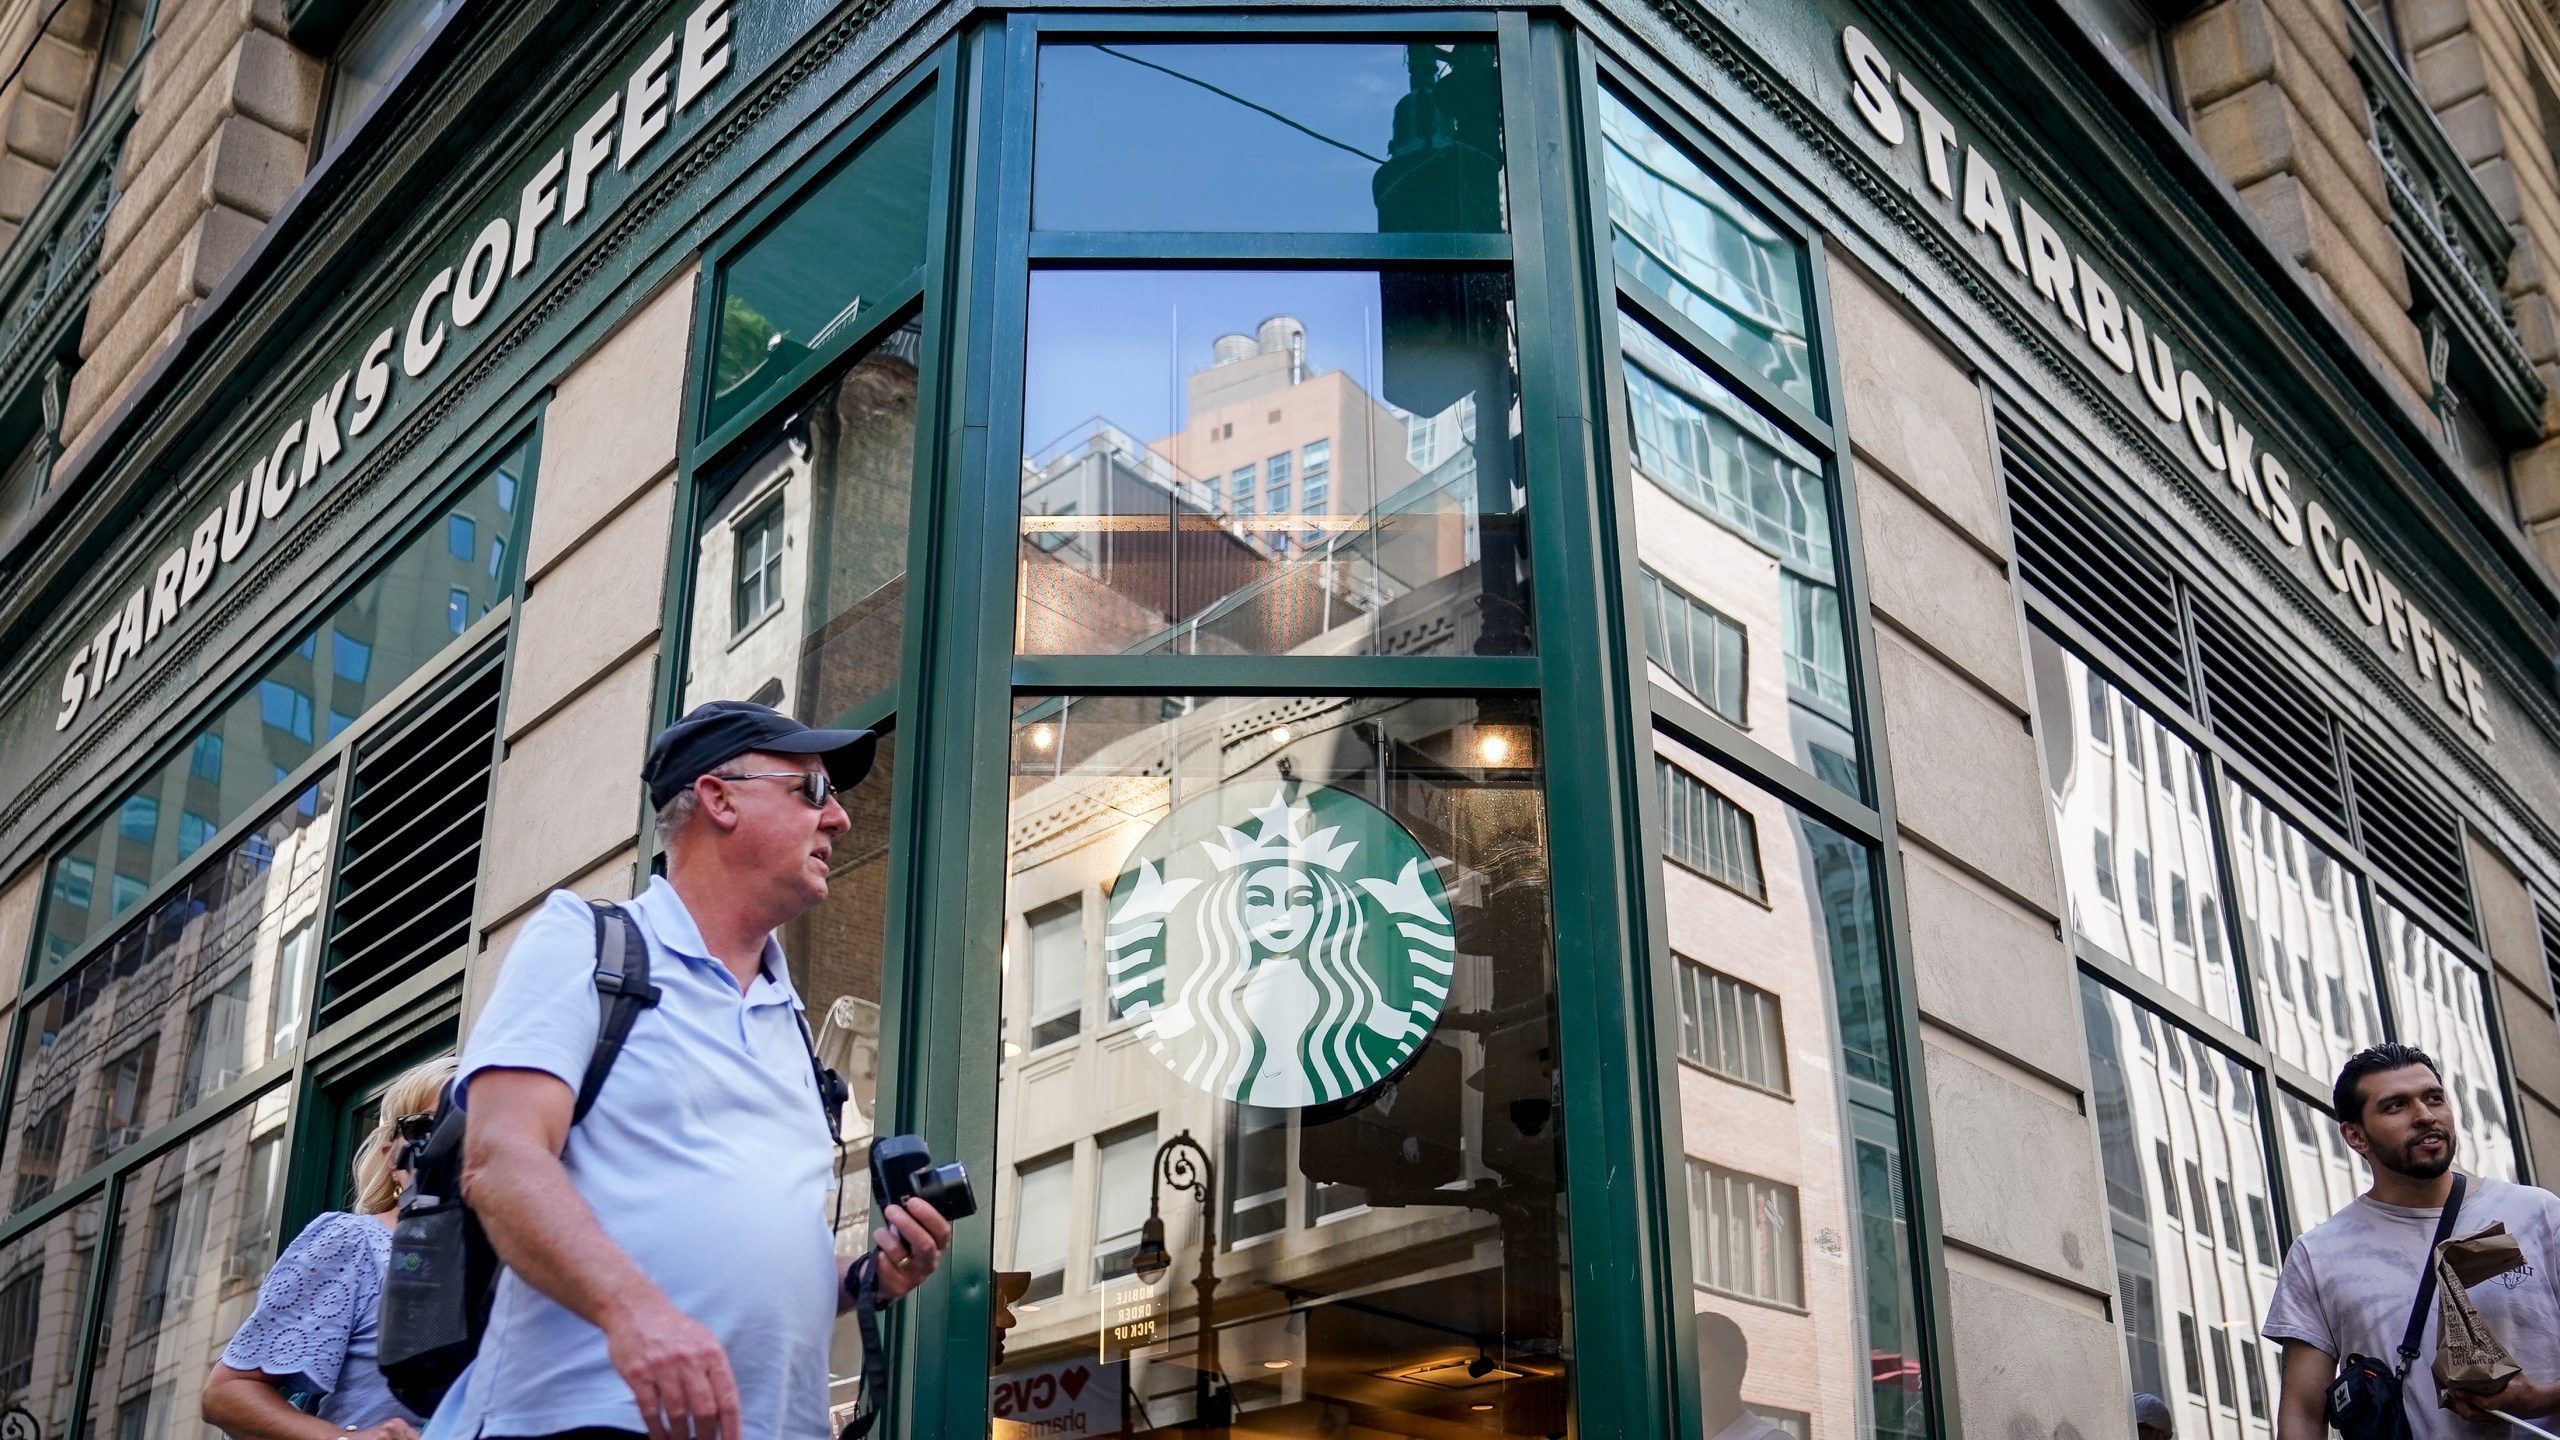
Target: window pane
(1328, 923)
(1682, 234)
(45, 1277)
(1734, 517)
(1287, 137)
(1055, 942)
(1798, 1236)
(1044, 1200)
(2320, 1173)
(2305, 941)
(2210, 1259)
(196, 1233)
(1142, 383)
(831, 264)
(392, 625)
(97, 1042)
(814, 524)
(371, 56)
(2136, 860)
(2436, 1005)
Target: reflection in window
(2192, 1256)
(840, 258)
(837, 481)
(1245, 136)
(1056, 945)
(2437, 1005)
(1701, 647)
(1708, 832)
(199, 1223)
(1684, 235)
(45, 1279)
(91, 1040)
(2101, 791)
(2307, 955)
(2320, 1173)
(1142, 387)
(378, 636)
(1044, 1197)
(1732, 511)
(370, 58)
(1799, 1238)
(1327, 921)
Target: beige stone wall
(224, 126)
(40, 110)
(2273, 100)
(2512, 933)
(567, 804)
(2030, 1269)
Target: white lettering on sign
(2254, 481)
(310, 443)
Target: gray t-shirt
(2347, 1285)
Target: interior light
(1493, 747)
(1479, 1407)
(1279, 734)
(1042, 738)
(1275, 1364)
(1011, 1049)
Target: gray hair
(677, 813)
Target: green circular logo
(1288, 953)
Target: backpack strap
(2427, 1274)
(622, 992)
(833, 1092)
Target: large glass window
(801, 566)
(1797, 1230)
(1143, 386)
(387, 629)
(2320, 1173)
(2138, 854)
(2302, 921)
(195, 1235)
(1327, 136)
(1327, 921)
(2437, 1004)
(1734, 510)
(830, 266)
(371, 57)
(2188, 1198)
(199, 988)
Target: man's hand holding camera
(910, 1247)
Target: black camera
(903, 1169)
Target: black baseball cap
(719, 731)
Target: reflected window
(2437, 1005)
(1734, 513)
(840, 258)
(2206, 1256)
(812, 625)
(2101, 790)
(1056, 945)
(1142, 387)
(1790, 1123)
(1327, 921)
(1700, 647)
(1044, 1197)
(1254, 136)
(372, 56)
(45, 1278)
(1684, 235)
(1707, 832)
(92, 1035)
(2329, 1012)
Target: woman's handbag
(2365, 1401)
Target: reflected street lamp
(1184, 1165)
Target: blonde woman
(313, 1330)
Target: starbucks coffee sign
(1282, 947)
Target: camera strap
(875, 1356)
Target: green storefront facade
(1663, 673)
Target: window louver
(2551, 952)
(417, 808)
(2266, 713)
(2410, 838)
(2076, 563)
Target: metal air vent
(2411, 838)
(2079, 565)
(2265, 712)
(418, 804)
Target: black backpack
(444, 1271)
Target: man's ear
(713, 804)
(2355, 1138)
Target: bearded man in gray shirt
(2347, 1286)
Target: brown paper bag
(2468, 1356)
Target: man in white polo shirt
(669, 1265)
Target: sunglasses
(815, 785)
(415, 1127)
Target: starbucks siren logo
(1293, 960)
